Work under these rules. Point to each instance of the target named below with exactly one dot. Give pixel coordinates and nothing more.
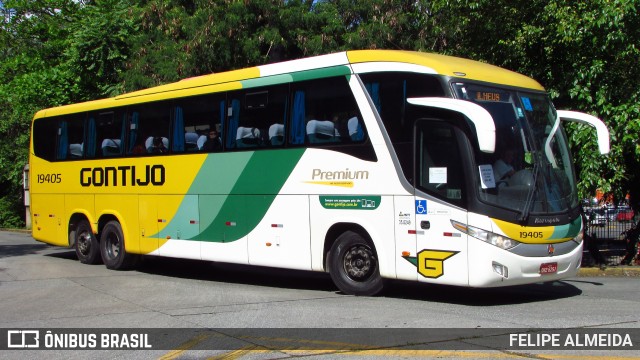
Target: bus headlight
(494, 239)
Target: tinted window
(325, 113)
(389, 92)
(105, 133)
(256, 117)
(439, 170)
(44, 138)
(198, 123)
(149, 128)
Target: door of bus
(441, 251)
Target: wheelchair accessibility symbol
(421, 207)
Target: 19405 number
(531, 234)
(49, 178)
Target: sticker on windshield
(487, 179)
(527, 103)
(437, 175)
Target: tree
(584, 53)
(591, 55)
(99, 46)
(32, 77)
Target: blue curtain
(222, 121)
(359, 132)
(233, 123)
(133, 131)
(298, 117)
(123, 133)
(178, 130)
(374, 92)
(91, 139)
(63, 141)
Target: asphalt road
(44, 287)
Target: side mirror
(483, 121)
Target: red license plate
(548, 268)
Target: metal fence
(606, 233)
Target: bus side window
(256, 117)
(325, 113)
(438, 166)
(44, 142)
(70, 137)
(194, 119)
(109, 133)
(151, 124)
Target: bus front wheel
(353, 265)
(86, 244)
(112, 249)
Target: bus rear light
(500, 269)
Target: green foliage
(99, 46)
(32, 77)
(158, 49)
(591, 56)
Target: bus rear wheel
(112, 249)
(353, 265)
(86, 244)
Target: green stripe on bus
(226, 218)
(298, 76)
(569, 230)
(266, 81)
(321, 73)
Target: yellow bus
(369, 165)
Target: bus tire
(112, 248)
(353, 265)
(86, 244)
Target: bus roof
(232, 80)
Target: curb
(23, 231)
(620, 271)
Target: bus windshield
(531, 170)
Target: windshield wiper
(532, 192)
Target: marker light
(494, 239)
(579, 238)
(500, 269)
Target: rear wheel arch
(354, 265)
(83, 239)
(338, 229)
(74, 220)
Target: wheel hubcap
(359, 263)
(113, 246)
(84, 243)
